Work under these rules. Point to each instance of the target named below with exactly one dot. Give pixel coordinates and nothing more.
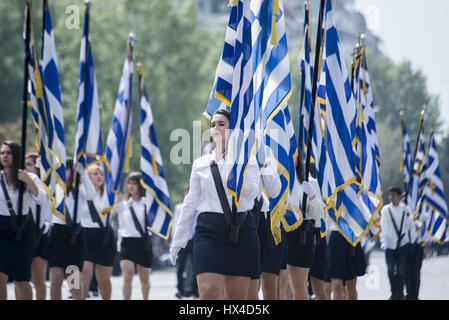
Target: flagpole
(421, 126)
(24, 116)
(77, 180)
(312, 106)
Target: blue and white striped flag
(88, 136)
(418, 176)
(261, 81)
(406, 156)
(368, 159)
(50, 75)
(118, 143)
(349, 209)
(433, 198)
(306, 85)
(160, 216)
(44, 95)
(221, 95)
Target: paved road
(373, 286)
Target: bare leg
(144, 276)
(38, 268)
(211, 286)
(253, 290)
(3, 283)
(236, 287)
(337, 289)
(270, 286)
(86, 278)
(103, 275)
(284, 292)
(23, 289)
(318, 288)
(298, 282)
(327, 290)
(128, 274)
(351, 289)
(56, 279)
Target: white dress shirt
(126, 225)
(315, 207)
(45, 215)
(29, 199)
(203, 196)
(269, 180)
(86, 192)
(100, 202)
(388, 235)
(176, 215)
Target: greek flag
(306, 83)
(160, 215)
(286, 207)
(221, 95)
(368, 159)
(44, 95)
(52, 87)
(350, 209)
(88, 137)
(433, 199)
(418, 177)
(406, 156)
(118, 143)
(261, 81)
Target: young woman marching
(270, 254)
(136, 248)
(300, 251)
(223, 267)
(16, 255)
(66, 236)
(100, 245)
(42, 221)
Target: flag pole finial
(87, 3)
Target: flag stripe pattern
(160, 215)
(118, 140)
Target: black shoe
(178, 295)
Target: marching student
(136, 246)
(300, 251)
(66, 236)
(395, 223)
(100, 244)
(345, 264)
(42, 221)
(270, 254)
(319, 275)
(415, 256)
(17, 237)
(225, 254)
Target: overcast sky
(416, 31)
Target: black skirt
(16, 256)
(63, 253)
(95, 251)
(43, 247)
(133, 249)
(300, 255)
(319, 269)
(342, 264)
(271, 256)
(213, 252)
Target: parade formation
(265, 209)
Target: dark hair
(223, 112)
(16, 151)
(396, 190)
(69, 182)
(300, 168)
(135, 177)
(34, 156)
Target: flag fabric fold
(118, 143)
(160, 216)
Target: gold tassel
(154, 163)
(276, 11)
(233, 3)
(129, 153)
